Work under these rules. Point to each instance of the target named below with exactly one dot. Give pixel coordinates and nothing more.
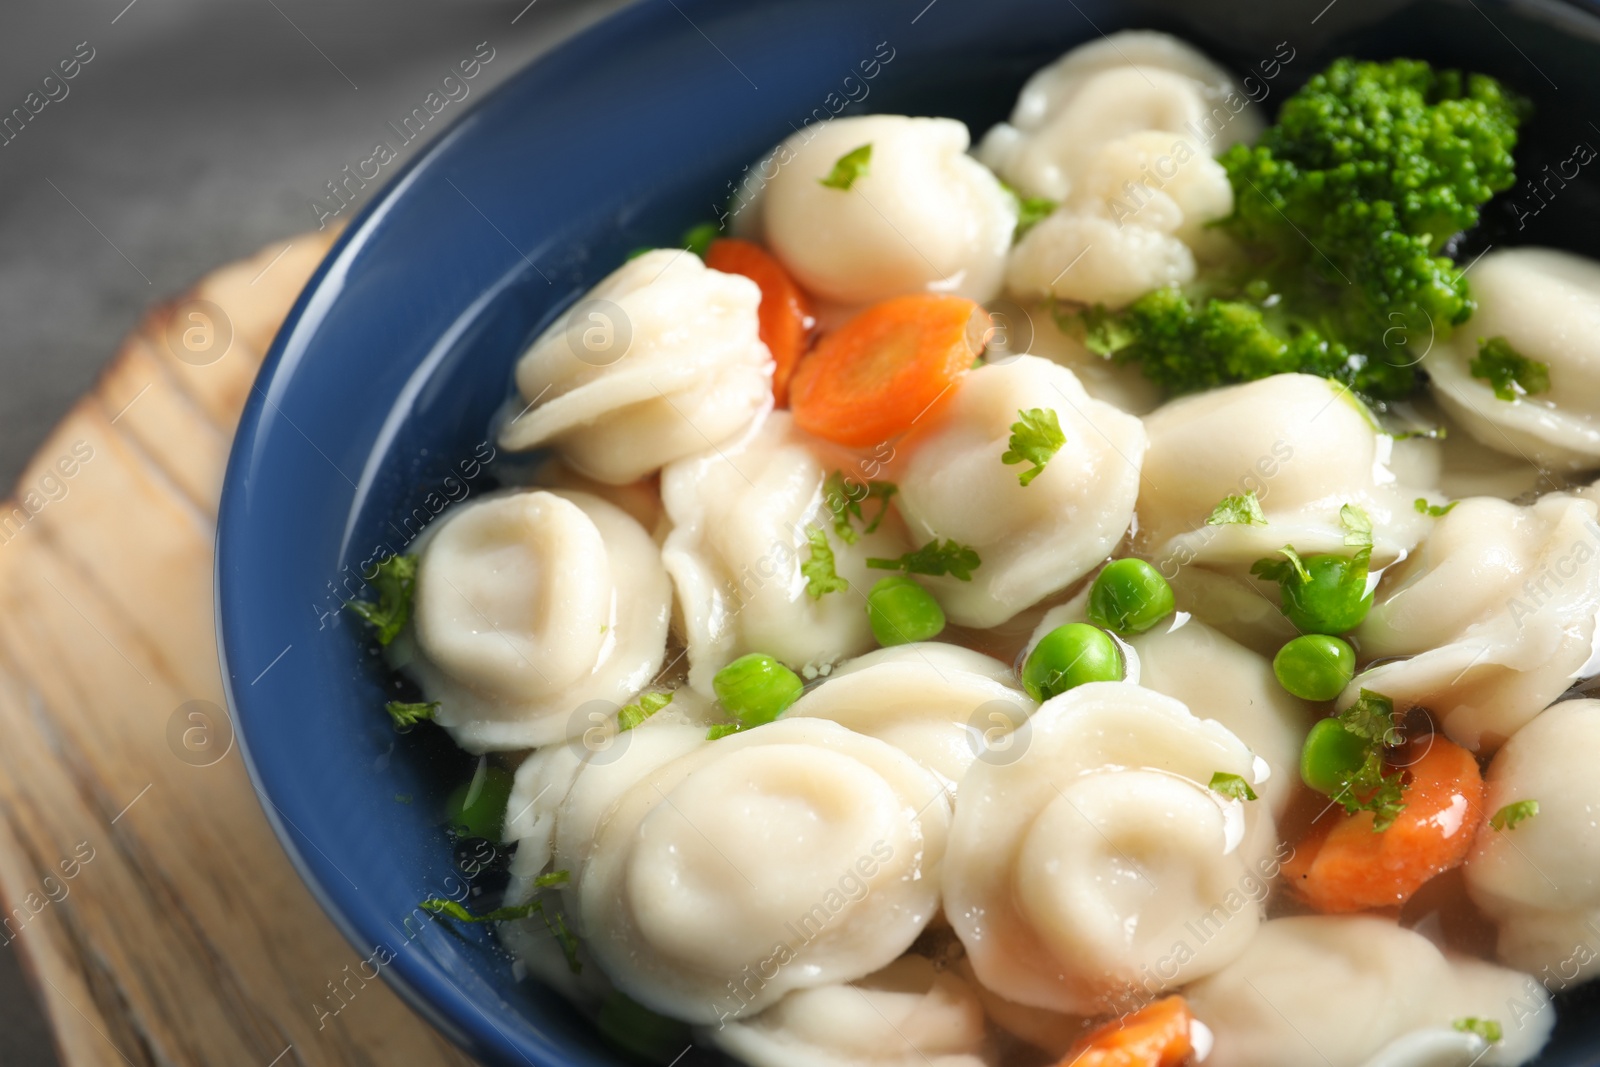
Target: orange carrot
(873, 377)
(1343, 866)
(786, 318)
(1157, 1035)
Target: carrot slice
(786, 318)
(1157, 1035)
(870, 379)
(1343, 866)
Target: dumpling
(922, 215)
(659, 361)
(531, 605)
(740, 518)
(1135, 221)
(561, 792)
(1216, 678)
(1496, 612)
(1336, 990)
(1546, 304)
(1304, 445)
(790, 856)
(1540, 880)
(906, 1015)
(940, 704)
(1098, 868)
(1126, 83)
(1033, 540)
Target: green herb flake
(648, 705)
(818, 569)
(723, 729)
(556, 923)
(1232, 785)
(1357, 526)
(950, 557)
(1487, 1029)
(1291, 567)
(1509, 373)
(395, 582)
(1035, 437)
(406, 716)
(1241, 509)
(1509, 816)
(1436, 511)
(697, 239)
(1371, 787)
(843, 498)
(847, 168)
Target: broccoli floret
(1342, 210)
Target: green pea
(477, 808)
(1330, 754)
(901, 611)
(1129, 596)
(1315, 666)
(1070, 656)
(756, 688)
(1333, 601)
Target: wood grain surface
(146, 894)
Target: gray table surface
(199, 131)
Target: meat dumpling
(530, 605)
(1035, 539)
(661, 359)
(789, 856)
(906, 1015)
(1496, 613)
(1098, 867)
(743, 517)
(1546, 305)
(921, 216)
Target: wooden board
(145, 893)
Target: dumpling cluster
(1122, 134)
(926, 841)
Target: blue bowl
(369, 416)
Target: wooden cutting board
(145, 893)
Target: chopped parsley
(1509, 816)
(1241, 509)
(697, 239)
(1487, 1029)
(1370, 787)
(951, 557)
(1232, 785)
(648, 705)
(1357, 526)
(848, 167)
(1433, 510)
(1509, 373)
(844, 497)
(1290, 568)
(406, 716)
(821, 577)
(1035, 437)
(556, 923)
(395, 582)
